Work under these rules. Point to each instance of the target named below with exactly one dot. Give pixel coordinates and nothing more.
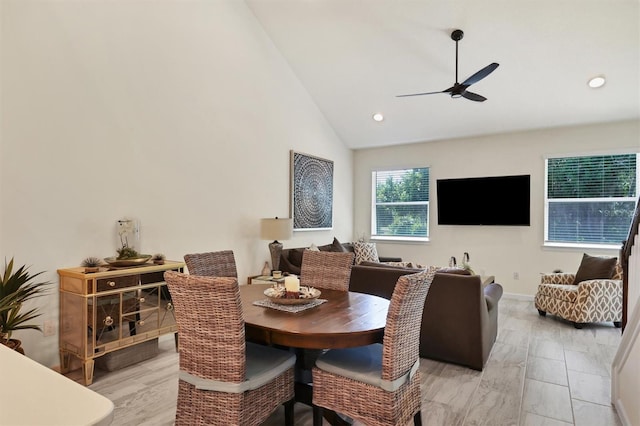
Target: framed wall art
(311, 192)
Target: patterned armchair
(591, 300)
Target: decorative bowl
(134, 261)
(277, 295)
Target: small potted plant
(91, 264)
(158, 258)
(17, 287)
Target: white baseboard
(517, 296)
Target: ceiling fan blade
(480, 74)
(419, 94)
(473, 96)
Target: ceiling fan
(460, 89)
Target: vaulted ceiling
(355, 56)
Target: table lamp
(276, 229)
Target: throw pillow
(337, 246)
(313, 247)
(594, 267)
(295, 256)
(365, 252)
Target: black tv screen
(495, 200)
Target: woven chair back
(210, 325)
(402, 333)
(212, 264)
(326, 269)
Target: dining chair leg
(317, 415)
(417, 419)
(288, 412)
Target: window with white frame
(590, 199)
(400, 207)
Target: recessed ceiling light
(596, 82)
(378, 117)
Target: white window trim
(548, 243)
(373, 230)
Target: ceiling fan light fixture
(459, 90)
(596, 82)
(378, 117)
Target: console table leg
(87, 371)
(65, 361)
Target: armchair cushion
(594, 267)
(565, 292)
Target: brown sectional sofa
(460, 317)
(291, 258)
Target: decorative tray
(277, 295)
(134, 261)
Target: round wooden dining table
(346, 319)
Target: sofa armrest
(492, 295)
(598, 300)
(557, 278)
(457, 325)
(389, 259)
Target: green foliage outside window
(591, 199)
(401, 202)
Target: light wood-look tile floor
(541, 372)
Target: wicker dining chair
(212, 264)
(224, 380)
(326, 269)
(378, 384)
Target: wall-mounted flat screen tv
(495, 200)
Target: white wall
(494, 250)
(178, 113)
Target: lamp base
(276, 250)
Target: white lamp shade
(276, 229)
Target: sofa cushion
(594, 267)
(365, 252)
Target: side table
(264, 279)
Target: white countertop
(32, 394)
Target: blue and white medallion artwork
(311, 192)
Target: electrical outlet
(516, 276)
(49, 328)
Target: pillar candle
(292, 283)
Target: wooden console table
(111, 309)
